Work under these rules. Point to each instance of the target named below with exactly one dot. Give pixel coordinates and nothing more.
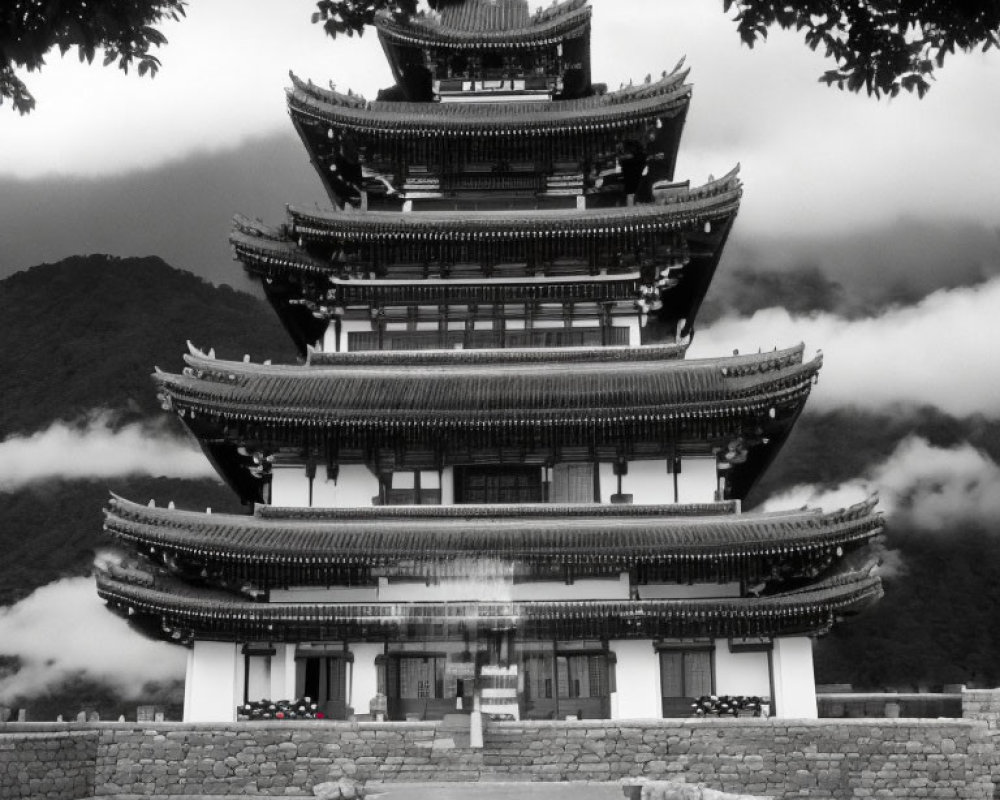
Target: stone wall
(816, 758)
(57, 764)
(982, 704)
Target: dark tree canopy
(881, 46)
(124, 29)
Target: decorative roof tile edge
(670, 514)
(717, 198)
(811, 610)
(730, 366)
(667, 83)
(323, 358)
(622, 539)
(617, 109)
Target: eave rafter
(184, 616)
(714, 546)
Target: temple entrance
(685, 675)
(425, 682)
(563, 679)
(324, 675)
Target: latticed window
(420, 677)
(684, 675)
(499, 484)
(573, 483)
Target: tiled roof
(183, 613)
(486, 23)
(471, 393)
(661, 98)
(445, 533)
(688, 210)
(484, 16)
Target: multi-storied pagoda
(494, 482)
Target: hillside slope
(86, 332)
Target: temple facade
(493, 483)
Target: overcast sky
(812, 157)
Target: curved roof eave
(189, 613)
(426, 398)
(525, 535)
(620, 108)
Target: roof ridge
(611, 108)
(729, 366)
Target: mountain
(85, 333)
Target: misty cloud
(939, 352)
(926, 487)
(97, 449)
(64, 630)
(185, 221)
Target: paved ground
(485, 790)
(497, 791)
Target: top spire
(483, 46)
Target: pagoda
(494, 484)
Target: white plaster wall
(648, 482)
(502, 590)
(313, 594)
(794, 681)
(741, 673)
(364, 678)
(324, 490)
(634, 330)
(403, 480)
(348, 326)
(289, 486)
(258, 678)
(683, 591)
(582, 589)
(211, 685)
(608, 480)
(188, 683)
(637, 679)
(430, 479)
(329, 341)
(283, 673)
(697, 480)
(448, 486)
(355, 486)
